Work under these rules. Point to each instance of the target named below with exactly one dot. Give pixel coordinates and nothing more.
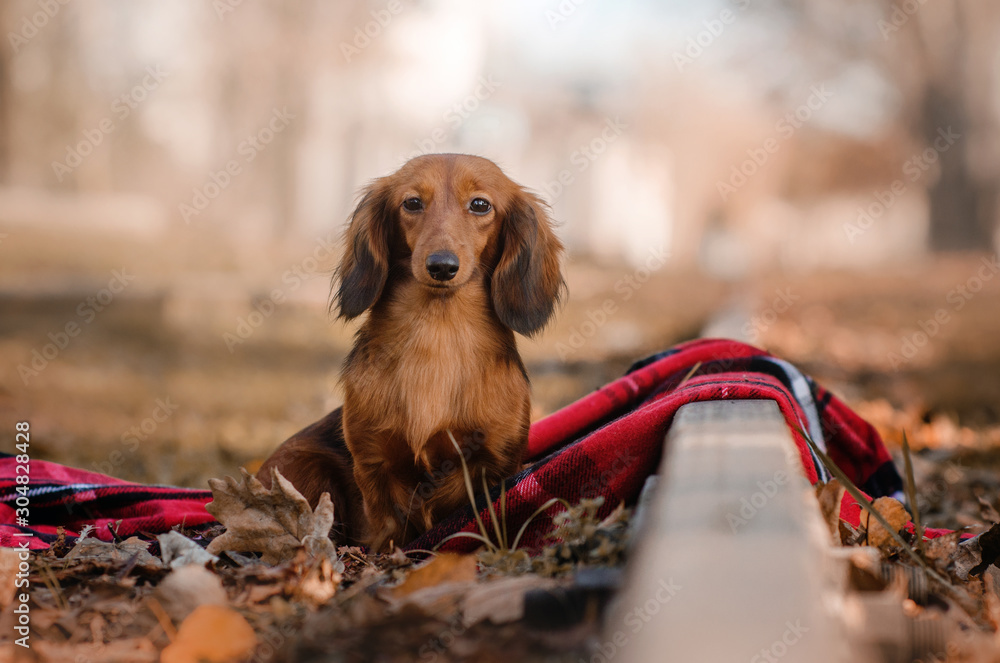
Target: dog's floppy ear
(364, 266)
(527, 282)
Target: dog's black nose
(442, 265)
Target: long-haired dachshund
(450, 258)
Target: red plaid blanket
(607, 443)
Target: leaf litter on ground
(301, 599)
(944, 580)
(275, 569)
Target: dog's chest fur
(442, 367)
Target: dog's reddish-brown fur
(436, 354)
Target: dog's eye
(480, 206)
(413, 204)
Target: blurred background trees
(816, 177)
(369, 86)
(940, 59)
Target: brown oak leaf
(895, 514)
(276, 522)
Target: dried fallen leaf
(501, 601)
(987, 511)
(177, 550)
(895, 514)
(991, 591)
(276, 522)
(940, 550)
(443, 601)
(113, 554)
(849, 536)
(446, 567)
(188, 587)
(212, 634)
(976, 554)
(830, 495)
(319, 583)
(257, 594)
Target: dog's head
(453, 218)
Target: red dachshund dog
(450, 258)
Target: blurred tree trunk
(962, 201)
(962, 209)
(940, 57)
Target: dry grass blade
(503, 511)
(493, 514)
(468, 489)
(520, 532)
(538, 512)
(483, 535)
(466, 535)
(362, 560)
(865, 504)
(690, 374)
(50, 580)
(911, 494)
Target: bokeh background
(817, 177)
